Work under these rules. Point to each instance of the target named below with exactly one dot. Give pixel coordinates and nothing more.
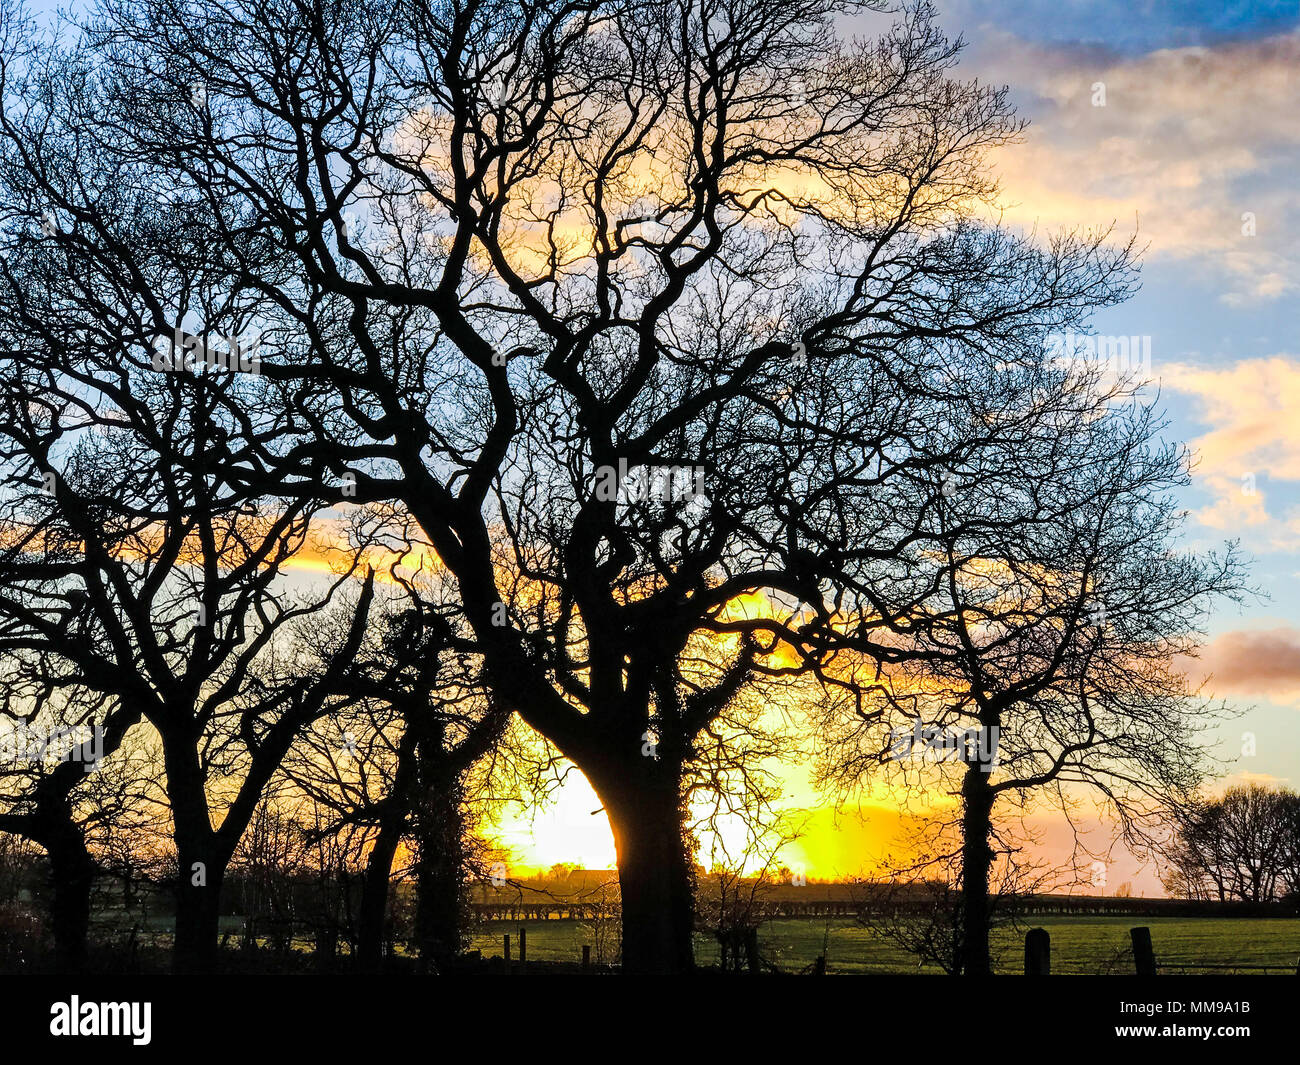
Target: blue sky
(1129, 27)
(1199, 136)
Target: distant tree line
(1243, 845)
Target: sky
(1179, 121)
(1192, 142)
(1197, 147)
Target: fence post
(751, 949)
(523, 947)
(819, 966)
(507, 951)
(1038, 952)
(586, 955)
(1143, 953)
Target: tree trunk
(372, 924)
(977, 861)
(72, 872)
(374, 898)
(440, 860)
(655, 877)
(200, 859)
(198, 909)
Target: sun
(572, 829)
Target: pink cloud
(1254, 662)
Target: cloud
(1245, 779)
(1196, 148)
(1254, 662)
(1253, 441)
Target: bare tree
(418, 725)
(1239, 846)
(736, 893)
(48, 780)
(1042, 661)
(642, 309)
(146, 585)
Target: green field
(1079, 944)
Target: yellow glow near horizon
(836, 844)
(573, 829)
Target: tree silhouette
(421, 724)
(145, 588)
(1044, 660)
(1239, 846)
(647, 312)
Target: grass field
(1079, 944)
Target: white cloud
(1253, 439)
(1189, 142)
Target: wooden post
(819, 966)
(751, 949)
(523, 947)
(1038, 952)
(1143, 953)
(507, 951)
(586, 955)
